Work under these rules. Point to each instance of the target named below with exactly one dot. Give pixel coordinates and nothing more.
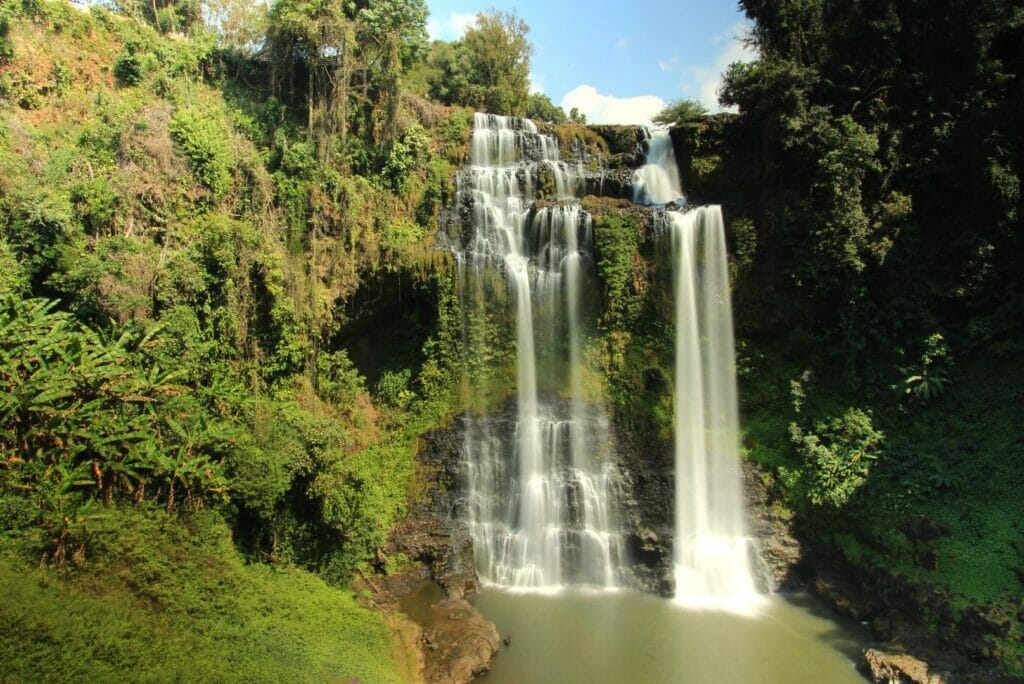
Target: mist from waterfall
(540, 484)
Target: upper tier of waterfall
(657, 181)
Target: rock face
(779, 554)
(629, 143)
(432, 534)
(445, 548)
(648, 517)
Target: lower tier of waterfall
(542, 521)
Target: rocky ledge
(456, 641)
(900, 667)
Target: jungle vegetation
(224, 319)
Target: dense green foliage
(168, 599)
(188, 256)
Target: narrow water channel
(601, 637)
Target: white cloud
(667, 65)
(608, 109)
(621, 43)
(451, 27)
(704, 81)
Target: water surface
(599, 637)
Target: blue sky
(614, 62)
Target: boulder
(901, 668)
(459, 642)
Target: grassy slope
(164, 600)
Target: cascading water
(657, 182)
(540, 485)
(711, 550)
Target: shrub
(205, 143)
(95, 203)
(128, 69)
(838, 456)
(406, 154)
(393, 387)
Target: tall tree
(489, 68)
(310, 44)
(501, 61)
(321, 50)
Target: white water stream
(657, 181)
(542, 488)
(711, 552)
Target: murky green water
(626, 637)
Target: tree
(501, 61)
(168, 16)
(451, 72)
(315, 37)
(681, 113)
(392, 37)
(238, 24)
(576, 116)
(325, 51)
(488, 69)
(540, 106)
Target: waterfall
(541, 488)
(711, 553)
(711, 550)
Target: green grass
(163, 601)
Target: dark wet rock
(646, 510)
(443, 546)
(432, 533)
(779, 554)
